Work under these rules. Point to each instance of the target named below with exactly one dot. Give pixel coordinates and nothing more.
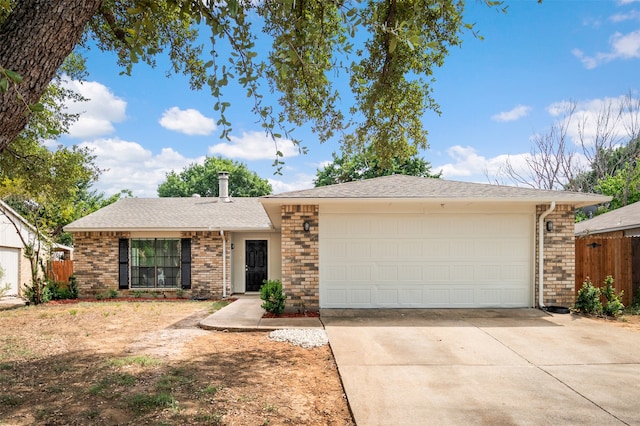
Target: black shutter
(123, 264)
(185, 263)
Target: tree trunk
(34, 41)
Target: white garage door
(425, 260)
(9, 261)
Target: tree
(86, 201)
(41, 185)
(386, 49)
(551, 161)
(347, 168)
(623, 186)
(202, 179)
(602, 144)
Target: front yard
(119, 363)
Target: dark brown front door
(256, 264)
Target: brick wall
(300, 276)
(559, 257)
(206, 264)
(96, 263)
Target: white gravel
(305, 337)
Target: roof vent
(195, 195)
(223, 186)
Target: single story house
(622, 222)
(15, 231)
(394, 242)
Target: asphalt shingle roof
(190, 213)
(412, 187)
(626, 217)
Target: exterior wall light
(549, 225)
(306, 225)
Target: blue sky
(495, 95)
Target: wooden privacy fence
(597, 257)
(60, 270)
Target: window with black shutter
(123, 264)
(185, 263)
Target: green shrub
(73, 287)
(58, 292)
(38, 292)
(271, 293)
(612, 305)
(588, 300)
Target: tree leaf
(13, 76)
(393, 42)
(36, 107)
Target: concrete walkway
(245, 314)
(11, 302)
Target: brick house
(395, 241)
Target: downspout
(224, 265)
(541, 253)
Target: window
(155, 263)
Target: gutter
(541, 228)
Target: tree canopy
(623, 186)
(386, 50)
(347, 168)
(202, 179)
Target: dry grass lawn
(136, 363)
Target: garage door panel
(388, 296)
(408, 273)
(335, 274)
(384, 249)
(436, 273)
(436, 226)
(387, 273)
(359, 273)
(413, 260)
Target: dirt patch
(631, 322)
(120, 363)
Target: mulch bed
(292, 315)
(129, 299)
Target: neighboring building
(622, 222)
(394, 242)
(14, 232)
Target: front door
(256, 264)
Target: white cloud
(188, 121)
(623, 46)
(588, 119)
(515, 114)
(131, 166)
(629, 16)
(467, 164)
(98, 113)
(254, 146)
(557, 109)
(301, 181)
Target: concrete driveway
(494, 367)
